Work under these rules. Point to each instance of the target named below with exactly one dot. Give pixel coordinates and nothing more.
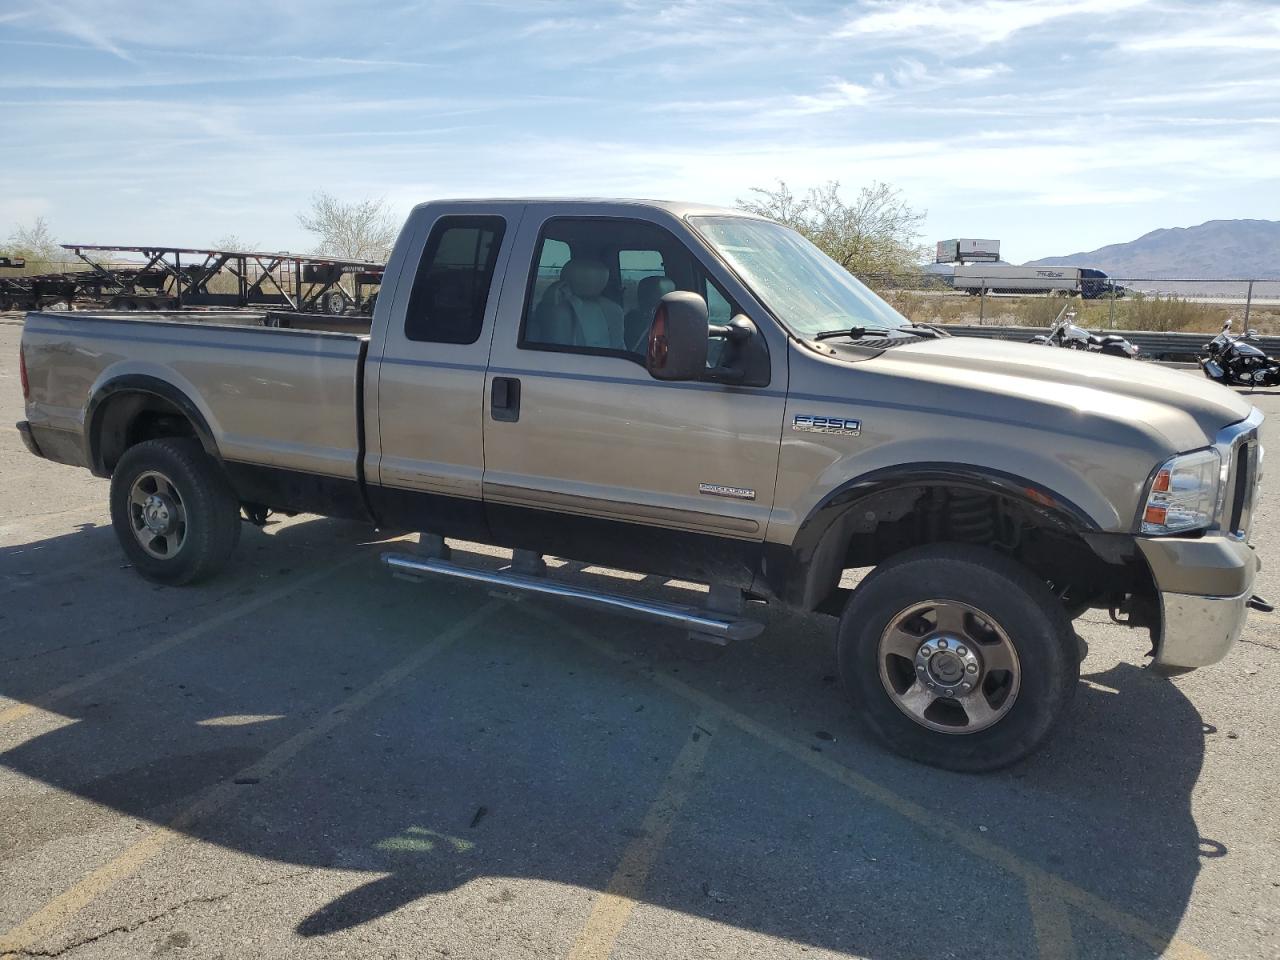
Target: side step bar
(704, 623)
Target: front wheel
(173, 510)
(957, 657)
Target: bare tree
(362, 230)
(876, 234)
(34, 242)
(232, 242)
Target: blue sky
(1053, 126)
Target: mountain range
(1215, 249)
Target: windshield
(806, 290)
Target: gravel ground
(307, 757)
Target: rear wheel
(173, 511)
(957, 657)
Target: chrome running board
(703, 623)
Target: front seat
(649, 291)
(574, 313)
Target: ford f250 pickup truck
(698, 393)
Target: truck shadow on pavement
(518, 753)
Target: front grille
(1244, 483)
(1240, 493)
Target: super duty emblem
(809, 423)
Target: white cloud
(838, 95)
(1074, 195)
(957, 26)
(82, 25)
(910, 74)
(1241, 29)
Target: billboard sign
(968, 251)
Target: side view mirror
(1252, 334)
(678, 338)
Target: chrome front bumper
(1205, 585)
(1198, 631)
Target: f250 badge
(809, 423)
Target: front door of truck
(427, 375)
(588, 456)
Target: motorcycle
(1064, 333)
(1234, 361)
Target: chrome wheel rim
(157, 515)
(949, 666)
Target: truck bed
(274, 397)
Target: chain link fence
(1193, 305)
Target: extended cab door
(426, 376)
(588, 456)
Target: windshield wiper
(923, 329)
(853, 333)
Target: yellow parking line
(1050, 923)
(46, 700)
(62, 908)
(613, 909)
(1049, 884)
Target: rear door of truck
(426, 372)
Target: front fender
(804, 572)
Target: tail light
(22, 374)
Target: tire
(194, 514)
(989, 605)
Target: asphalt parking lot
(306, 757)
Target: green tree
(875, 235)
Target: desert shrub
(1038, 311)
(1162, 314)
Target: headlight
(1184, 494)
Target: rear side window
(452, 284)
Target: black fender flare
(798, 571)
(136, 383)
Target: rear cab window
(454, 275)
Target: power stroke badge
(720, 490)
(811, 423)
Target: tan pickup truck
(697, 393)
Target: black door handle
(504, 400)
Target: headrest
(586, 278)
(652, 289)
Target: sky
(1053, 126)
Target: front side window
(451, 287)
(595, 284)
(806, 290)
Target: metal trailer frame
(305, 283)
(281, 281)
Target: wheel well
(127, 419)
(1046, 541)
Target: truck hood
(1183, 406)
